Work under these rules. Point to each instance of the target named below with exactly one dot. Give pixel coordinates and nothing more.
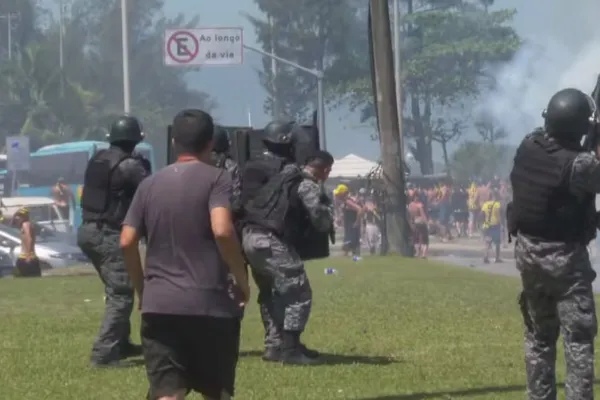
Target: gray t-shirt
(184, 272)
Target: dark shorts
(351, 238)
(27, 268)
(461, 216)
(190, 353)
(421, 234)
(493, 234)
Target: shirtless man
(372, 231)
(418, 222)
(28, 264)
(63, 197)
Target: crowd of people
(446, 210)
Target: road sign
(17, 153)
(204, 46)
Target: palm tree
(38, 101)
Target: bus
(67, 161)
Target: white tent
(352, 166)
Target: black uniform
(553, 216)
(273, 219)
(111, 179)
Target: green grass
(400, 329)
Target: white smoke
(561, 49)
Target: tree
(445, 131)
(314, 34)
(448, 47)
(489, 128)
(50, 104)
(481, 160)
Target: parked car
(50, 249)
(7, 263)
(42, 210)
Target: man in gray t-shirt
(190, 323)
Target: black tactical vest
(543, 206)
(274, 205)
(103, 199)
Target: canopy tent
(352, 166)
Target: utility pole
(9, 19)
(380, 38)
(125, 46)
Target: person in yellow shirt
(492, 227)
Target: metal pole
(321, 111)
(9, 23)
(292, 64)
(320, 92)
(275, 111)
(61, 35)
(125, 45)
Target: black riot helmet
(280, 133)
(280, 138)
(570, 115)
(126, 129)
(221, 140)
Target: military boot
(272, 354)
(310, 353)
(129, 349)
(292, 352)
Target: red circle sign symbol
(185, 52)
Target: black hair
(320, 159)
(192, 131)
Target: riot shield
(307, 143)
(239, 150)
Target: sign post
(204, 46)
(17, 157)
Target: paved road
(507, 268)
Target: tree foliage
(447, 49)
(51, 105)
(481, 160)
(316, 34)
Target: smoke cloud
(561, 49)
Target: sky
(239, 93)
(240, 97)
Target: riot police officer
(222, 159)
(553, 215)
(276, 197)
(111, 179)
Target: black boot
(272, 354)
(129, 349)
(310, 353)
(292, 351)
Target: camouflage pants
(285, 295)
(101, 245)
(551, 307)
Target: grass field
(395, 329)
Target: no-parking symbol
(181, 47)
